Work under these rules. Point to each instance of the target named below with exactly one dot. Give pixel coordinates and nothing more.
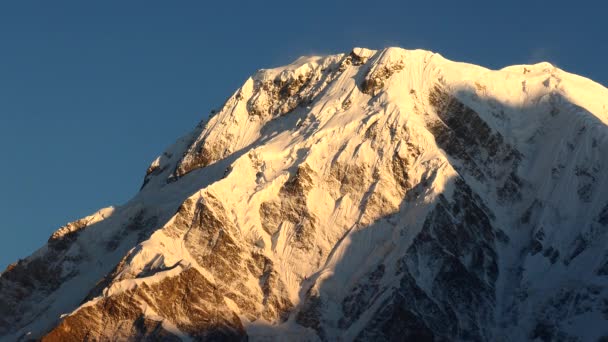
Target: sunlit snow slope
(376, 195)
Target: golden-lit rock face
(187, 298)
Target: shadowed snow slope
(376, 195)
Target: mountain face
(376, 195)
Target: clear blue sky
(92, 91)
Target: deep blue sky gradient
(92, 91)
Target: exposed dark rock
(187, 295)
(377, 77)
(552, 254)
(543, 331)
(395, 322)
(464, 135)
(603, 269)
(141, 223)
(350, 177)
(527, 216)
(603, 216)
(211, 241)
(292, 207)
(202, 155)
(579, 246)
(400, 166)
(27, 282)
(535, 247)
(360, 297)
(458, 239)
(409, 314)
(276, 302)
(351, 59)
(271, 212)
(311, 313)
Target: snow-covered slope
(376, 195)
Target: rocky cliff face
(376, 195)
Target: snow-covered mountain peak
(388, 194)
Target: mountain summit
(375, 195)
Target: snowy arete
(375, 195)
